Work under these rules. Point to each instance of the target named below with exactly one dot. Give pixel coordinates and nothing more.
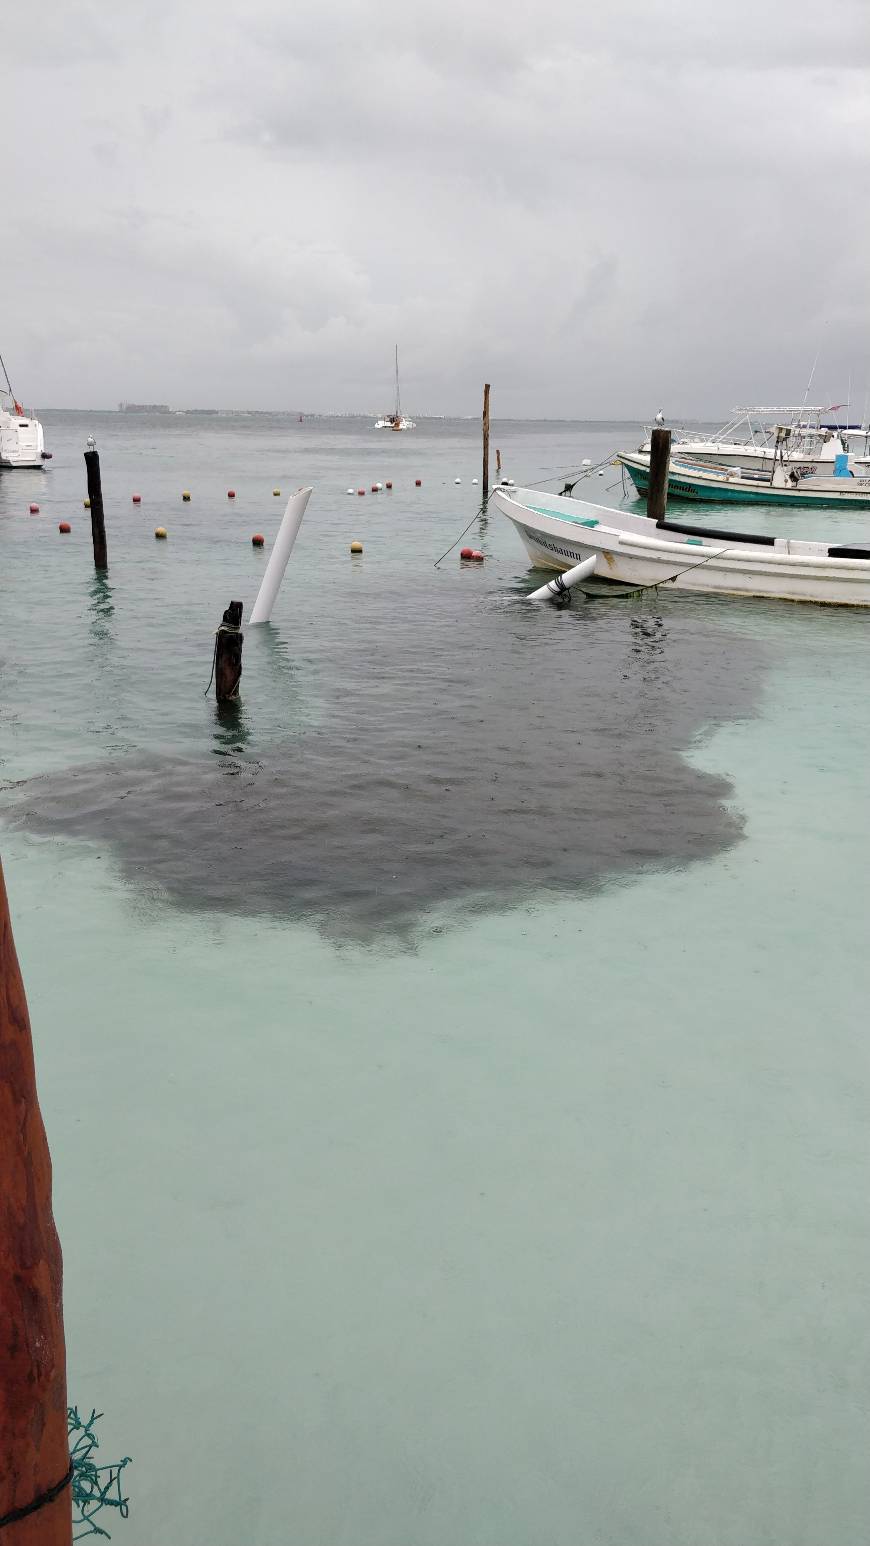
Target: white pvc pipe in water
(288, 531)
(564, 582)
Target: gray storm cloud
(600, 209)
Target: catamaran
(396, 419)
(634, 550)
(22, 443)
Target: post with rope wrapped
(228, 654)
(36, 1471)
(659, 463)
(485, 479)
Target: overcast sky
(601, 208)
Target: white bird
(92, 444)
(660, 418)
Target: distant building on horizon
(143, 408)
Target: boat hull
(632, 550)
(22, 444)
(684, 484)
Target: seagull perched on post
(92, 444)
(660, 418)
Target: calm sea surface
(454, 1057)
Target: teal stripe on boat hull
(721, 493)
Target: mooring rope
(39, 1502)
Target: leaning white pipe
(564, 582)
(288, 531)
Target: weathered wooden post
(498, 464)
(95, 495)
(228, 654)
(485, 479)
(659, 462)
(35, 1468)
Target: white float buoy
(457, 480)
(586, 462)
(601, 472)
(564, 582)
(288, 531)
(475, 480)
(350, 491)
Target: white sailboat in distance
(396, 420)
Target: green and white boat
(783, 483)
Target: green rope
(94, 1487)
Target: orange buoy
(478, 557)
(258, 539)
(360, 490)
(418, 482)
(466, 552)
(231, 493)
(356, 547)
(64, 526)
(160, 532)
(137, 499)
(34, 509)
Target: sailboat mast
(398, 402)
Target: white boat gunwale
(632, 550)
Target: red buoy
(231, 493)
(34, 509)
(258, 540)
(64, 526)
(374, 488)
(137, 499)
(388, 484)
(418, 482)
(478, 557)
(466, 552)
(360, 490)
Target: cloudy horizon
(600, 212)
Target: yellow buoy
(276, 492)
(86, 503)
(160, 531)
(356, 547)
(185, 494)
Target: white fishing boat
(748, 440)
(22, 443)
(396, 419)
(783, 482)
(559, 533)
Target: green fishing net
(94, 1487)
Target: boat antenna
(6, 374)
(810, 382)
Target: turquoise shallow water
(527, 1209)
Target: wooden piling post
(95, 495)
(35, 1473)
(659, 462)
(498, 464)
(228, 654)
(485, 478)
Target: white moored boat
(559, 533)
(748, 440)
(22, 443)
